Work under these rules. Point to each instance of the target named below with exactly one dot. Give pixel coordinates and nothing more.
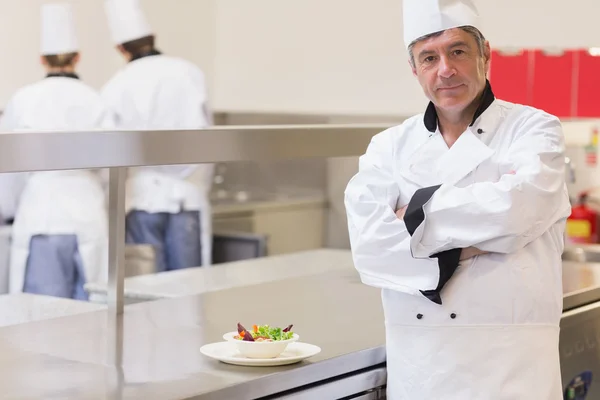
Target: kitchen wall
(347, 56)
(310, 56)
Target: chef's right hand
(401, 212)
(470, 252)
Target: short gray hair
(476, 33)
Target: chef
(59, 236)
(153, 91)
(458, 216)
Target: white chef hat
(126, 20)
(424, 17)
(58, 30)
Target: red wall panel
(588, 85)
(553, 83)
(509, 76)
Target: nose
(446, 68)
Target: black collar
(431, 118)
(150, 53)
(62, 75)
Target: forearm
(382, 256)
(379, 240)
(496, 217)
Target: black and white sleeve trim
(447, 260)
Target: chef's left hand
(470, 252)
(401, 212)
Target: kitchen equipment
(236, 246)
(582, 224)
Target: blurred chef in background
(59, 238)
(159, 92)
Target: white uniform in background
(11, 186)
(158, 92)
(492, 332)
(58, 203)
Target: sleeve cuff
(415, 215)
(447, 260)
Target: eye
(429, 59)
(458, 52)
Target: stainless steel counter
(23, 308)
(161, 342)
(66, 358)
(581, 280)
(224, 276)
(581, 284)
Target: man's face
(450, 68)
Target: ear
(487, 55)
(123, 52)
(76, 59)
(43, 61)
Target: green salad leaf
(275, 334)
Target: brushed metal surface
(161, 340)
(42, 151)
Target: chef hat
(58, 30)
(126, 20)
(424, 17)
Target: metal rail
(47, 151)
(39, 151)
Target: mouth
(449, 87)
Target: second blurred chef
(158, 92)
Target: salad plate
(228, 353)
(262, 345)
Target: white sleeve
(11, 184)
(503, 216)
(110, 97)
(208, 114)
(11, 187)
(199, 81)
(379, 240)
(108, 120)
(8, 121)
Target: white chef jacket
(159, 92)
(488, 327)
(59, 202)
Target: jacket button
(419, 316)
(453, 316)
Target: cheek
(485, 68)
(472, 73)
(427, 80)
(480, 69)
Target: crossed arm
(501, 217)
(465, 254)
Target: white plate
(227, 352)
